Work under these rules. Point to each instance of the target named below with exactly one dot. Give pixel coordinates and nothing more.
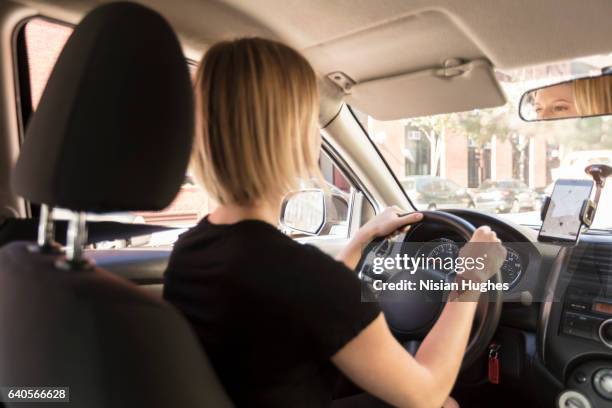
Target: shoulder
(259, 245)
(256, 239)
(247, 233)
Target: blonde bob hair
(257, 108)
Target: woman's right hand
(379, 364)
(483, 245)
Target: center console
(576, 325)
(587, 315)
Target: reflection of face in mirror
(555, 102)
(579, 98)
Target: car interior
(103, 128)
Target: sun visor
(458, 88)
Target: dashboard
(520, 269)
(448, 247)
(555, 329)
(575, 328)
(557, 313)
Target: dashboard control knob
(573, 399)
(602, 381)
(580, 377)
(605, 332)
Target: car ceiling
(375, 39)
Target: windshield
(489, 159)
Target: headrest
(113, 129)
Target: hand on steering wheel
(390, 222)
(408, 313)
(484, 244)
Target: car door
(456, 194)
(429, 189)
(524, 195)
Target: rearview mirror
(578, 98)
(304, 211)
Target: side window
(427, 187)
(439, 186)
(452, 186)
(408, 185)
(485, 185)
(339, 194)
(44, 41)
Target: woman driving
(278, 319)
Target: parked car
(432, 192)
(505, 196)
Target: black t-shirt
(269, 312)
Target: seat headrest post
(76, 239)
(46, 233)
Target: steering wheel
(411, 313)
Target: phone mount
(599, 173)
(587, 212)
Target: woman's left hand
(388, 223)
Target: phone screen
(562, 220)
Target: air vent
(592, 262)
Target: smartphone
(563, 218)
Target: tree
(477, 125)
(481, 125)
(434, 128)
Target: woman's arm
(386, 223)
(375, 360)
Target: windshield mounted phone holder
(599, 173)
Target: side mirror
(304, 211)
(315, 212)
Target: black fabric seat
(112, 132)
(110, 342)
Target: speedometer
(512, 268)
(444, 248)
